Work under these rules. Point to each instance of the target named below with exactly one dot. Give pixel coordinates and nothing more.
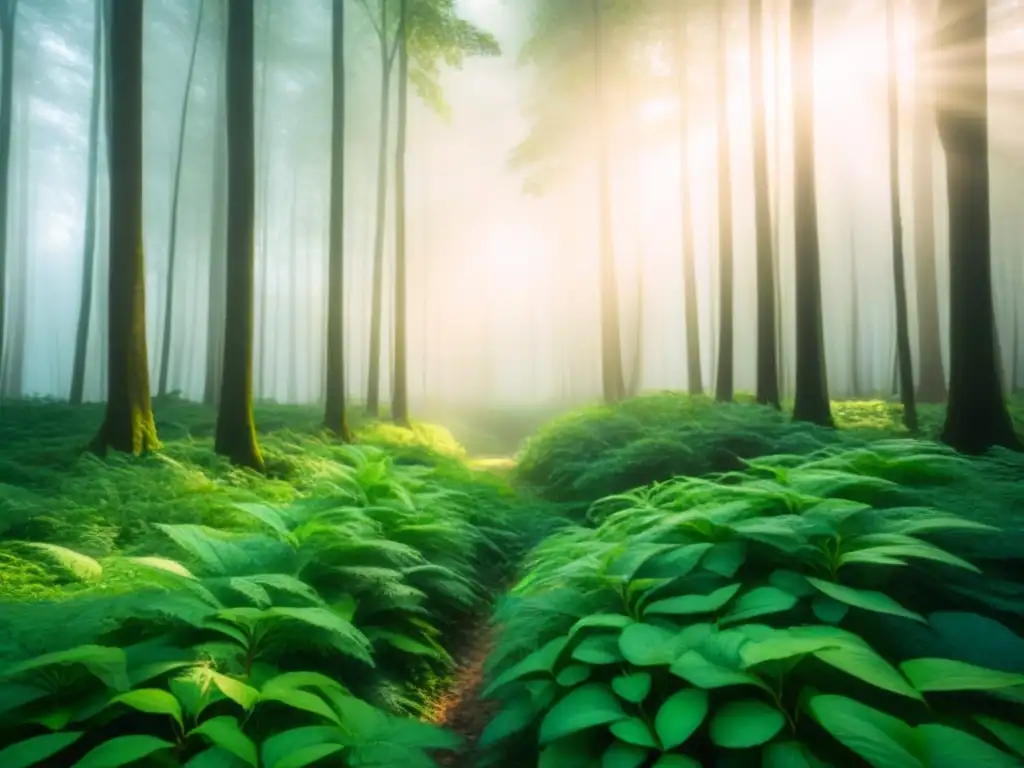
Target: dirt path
(459, 709)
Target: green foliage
(211, 616)
(799, 612)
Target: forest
(556, 383)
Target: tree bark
(216, 312)
(128, 424)
(976, 414)
(612, 378)
(236, 430)
(694, 375)
(14, 362)
(400, 385)
(89, 240)
(767, 392)
(165, 346)
(811, 401)
(726, 346)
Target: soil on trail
(460, 709)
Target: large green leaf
(676, 761)
(109, 665)
(634, 731)
(646, 645)
(680, 715)
(760, 601)
(865, 599)
(789, 754)
(695, 669)
(540, 662)
(123, 750)
(690, 604)
(632, 687)
(745, 723)
(299, 747)
(862, 662)
(598, 649)
(585, 707)
(623, 755)
(225, 733)
(37, 749)
(515, 716)
(725, 558)
(945, 747)
(1011, 735)
(343, 633)
(152, 701)
(949, 675)
(880, 739)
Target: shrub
(795, 614)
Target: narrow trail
(459, 708)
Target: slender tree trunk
(334, 407)
(724, 373)
(165, 346)
(262, 345)
(14, 365)
(89, 244)
(855, 382)
(694, 376)
(9, 11)
(236, 431)
(216, 312)
(613, 383)
(976, 416)
(780, 345)
(932, 374)
(400, 375)
(767, 361)
(811, 402)
(377, 288)
(128, 424)
(903, 356)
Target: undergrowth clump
(211, 616)
(800, 612)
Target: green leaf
(918, 550)
(695, 669)
(783, 644)
(298, 747)
(225, 733)
(123, 750)
(296, 698)
(598, 649)
(690, 604)
(1011, 735)
(645, 645)
(514, 716)
(109, 665)
(307, 755)
(214, 757)
(243, 695)
(574, 674)
(865, 599)
(540, 662)
(945, 747)
(601, 621)
(676, 761)
(862, 662)
(725, 558)
(585, 707)
(792, 582)
(882, 740)
(152, 701)
(760, 601)
(829, 610)
(949, 675)
(680, 715)
(33, 751)
(745, 723)
(634, 731)
(633, 687)
(622, 755)
(344, 636)
(789, 754)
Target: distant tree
(726, 336)
(931, 387)
(400, 374)
(811, 401)
(172, 244)
(216, 313)
(13, 366)
(695, 380)
(128, 424)
(767, 391)
(236, 430)
(89, 238)
(334, 406)
(903, 357)
(8, 14)
(976, 414)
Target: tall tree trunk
(89, 243)
(9, 11)
(904, 361)
(334, 407)
(14, 364)
(724, 373)
(216, 312)
(261, 343)
(128, 424)
(612, 379)
(236, 431)
(387, 57)
(165, 346)
(976, 416)
(780, 345)
(694, 376)
(855, 381)
(931, 387)
(400, 374)
(767, 360)
(811, 401)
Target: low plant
(798, 613)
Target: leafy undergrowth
(598, 451)
(174, 610)
(805, 612)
